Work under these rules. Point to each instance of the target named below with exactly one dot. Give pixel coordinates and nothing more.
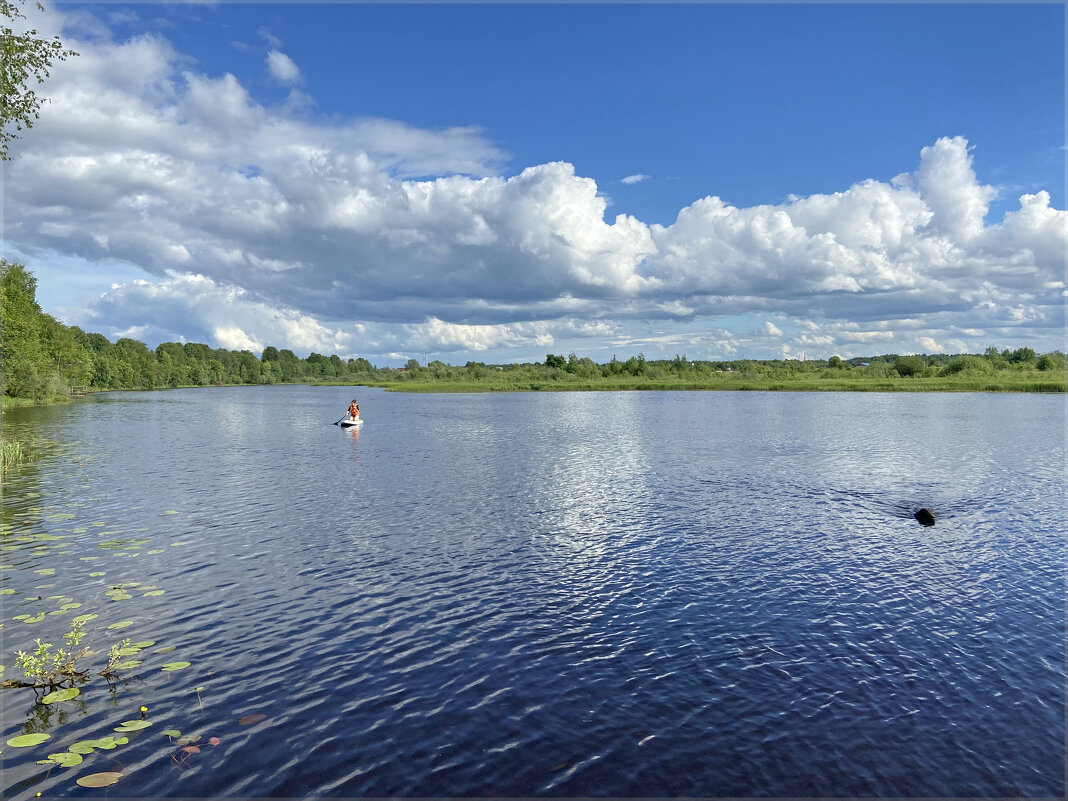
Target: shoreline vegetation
(44, 361)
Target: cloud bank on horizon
(265, 225)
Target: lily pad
(133, 725)
(27, 740)
(145, 644)
(152, 594)
(170, 512)
(121, 596)
(83, 747)
(36, 618)
(61, 695)
(46, 571)
(7, 591)
(128, 651)
(67, 759)
(129, 664)
(99, 779)
(85, 618)
(96, 573)
(74, 605)
(154, 551)
(188, 738)
(121, 624)
(108, 743)
(171, 732)
(166, 649)
(251, 719)
(176, 665)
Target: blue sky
(379, 179)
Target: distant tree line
(41, 359)
(889, 366)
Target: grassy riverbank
(998, 383)
(826, 381)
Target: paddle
(339, 421)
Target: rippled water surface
(600, 594)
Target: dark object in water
(925, 516)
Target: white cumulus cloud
(283, 68)
(264, 224)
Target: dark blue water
(601, 594)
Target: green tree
(292, 367)
(1023, 356)
(910, 366)
(1051, 361)
(104, 375)
(72, 364)
(360, 365)
(22, 356)
(248, 367)
(25, 58)
(173, 364)
(555, 361)
(140, 369)
(968, 365)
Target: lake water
(558, 594)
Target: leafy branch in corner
(24, 57)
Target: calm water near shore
(566, 594)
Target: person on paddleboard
(354, 409)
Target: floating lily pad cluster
(21, 540)
(65, 604)
(187, 744)
(76, 753)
